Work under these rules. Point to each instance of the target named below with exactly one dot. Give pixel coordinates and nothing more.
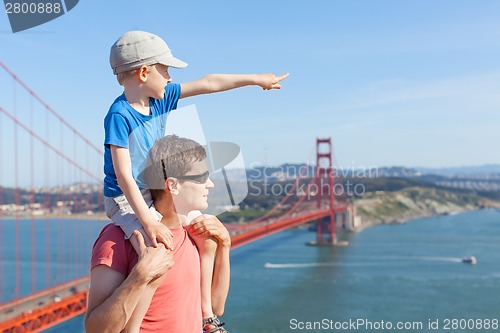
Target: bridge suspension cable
(50, 109)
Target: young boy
(137, 118)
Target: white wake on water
(331, 264)
(312, 264)
(448, 259)
(316, 264)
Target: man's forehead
(199, 165)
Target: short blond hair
(125, 75)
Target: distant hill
(280, 172)
(290, 171)
(489, 169)
(415, 202)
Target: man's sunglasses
(201, 178)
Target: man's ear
(171, 185)
(142, 73)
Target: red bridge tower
(325, 184)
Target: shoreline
(383, 207)
(409, 219)
(26, 217)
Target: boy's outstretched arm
(222, 82)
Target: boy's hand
(153, 262)
(159, 233)
(271, 81)
(208, 225)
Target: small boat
(469, 260)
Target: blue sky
(413, 83)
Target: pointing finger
(282, 77)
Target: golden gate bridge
(38, 146)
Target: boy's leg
(207, 248)
(121, 214)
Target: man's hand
(208, 225)
(270, 81)
(153, 262)
(159, 233)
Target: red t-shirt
(176, 305)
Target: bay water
(407, 277)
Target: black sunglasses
(199, 179)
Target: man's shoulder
(113, 250)
(112, 233)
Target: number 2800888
(32, 8)
(471, 324)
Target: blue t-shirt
(126, 127)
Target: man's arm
(222, 82)
(123, 170)
(113, 297)
(209, 225)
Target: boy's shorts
(121, 213)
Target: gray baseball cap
(137, 48)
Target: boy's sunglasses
(201, 178)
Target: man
(147, 291)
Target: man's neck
(171, 218)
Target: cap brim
(173, 62)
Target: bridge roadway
(28, 313)
(30, 303)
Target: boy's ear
(142, 73)
(171, 185)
